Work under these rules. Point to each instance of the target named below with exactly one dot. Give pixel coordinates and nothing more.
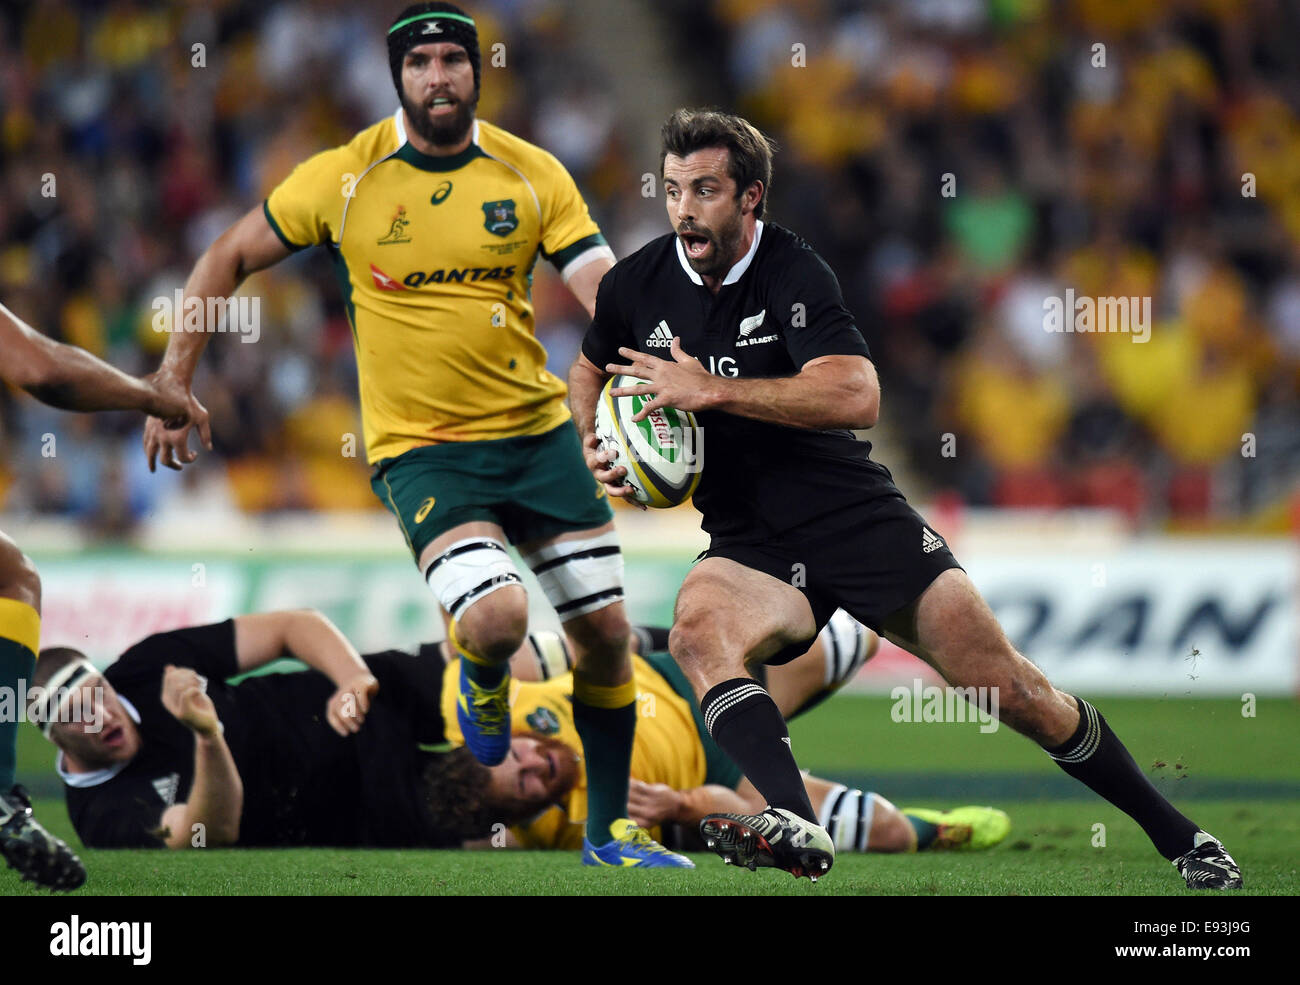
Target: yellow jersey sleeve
(569, 232)
(306, 209)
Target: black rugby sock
(1095, 756)
(745, 722)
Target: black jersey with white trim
(778, 308)
(303, 783)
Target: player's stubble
(726, 245)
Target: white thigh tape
(580, 576)
(468, 570)
(845, 644)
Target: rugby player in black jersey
(741, 322)
(176, 755)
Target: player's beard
(726, 246)
(443, 133)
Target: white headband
(47, 707)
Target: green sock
(486, 675)
(489, 676)
(925, 831)
(16, 664)
(607, 735)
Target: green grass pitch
(1238, 777)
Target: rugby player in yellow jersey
(434, 221)
(679, 775)
(69, 378)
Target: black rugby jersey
(778, 308)
(304, 784)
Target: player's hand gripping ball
(663, 454)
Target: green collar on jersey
(427, 162)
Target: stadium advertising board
(1151, 617)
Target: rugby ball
(663, 454)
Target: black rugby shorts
(870, 561)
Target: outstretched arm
(649, 804)
(317, 642)
(246, 247)
(216, 799)
(70, 378)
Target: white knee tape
(580, 576)
(468, 570)
(845, 643)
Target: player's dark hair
(455, 797)
(51, 660)
(749, 150)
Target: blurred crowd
(955, 161)
(959, 161)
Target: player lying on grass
(174, 755)
(69, 378)
(679, 775)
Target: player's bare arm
(70, 378)
(650, 804)
(585, 383)
(583, 282)
(246, 247)
(827, 392)
(217, 795)
(317, 642)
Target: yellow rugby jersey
(666, 750)
(435, 258)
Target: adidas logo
(167, 787)
(930, 541)
(661, 337)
